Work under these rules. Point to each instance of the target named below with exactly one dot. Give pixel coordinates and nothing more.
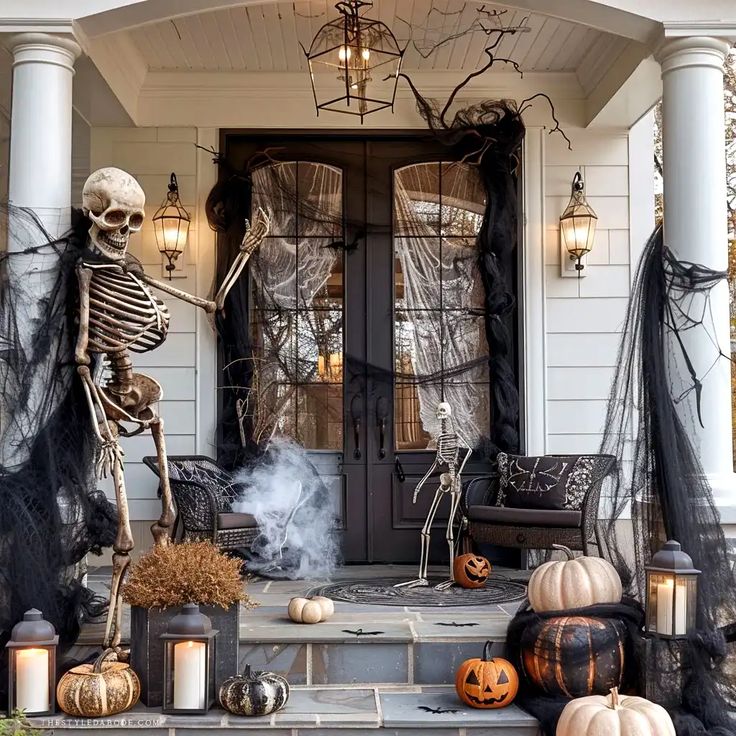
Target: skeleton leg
(161, 529)
(120, 559)
(426, 532)
(450, 536)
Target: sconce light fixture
(577, 228)
(354, 62)
(171, 226)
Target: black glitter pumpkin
(254, 693)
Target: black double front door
(367, 310)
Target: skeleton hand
(110, 455)
(254, 233)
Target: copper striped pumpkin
(574, 656)
(100, 689)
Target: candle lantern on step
(672, 589)
(32, 666)
(189, 662)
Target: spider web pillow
(534, 481)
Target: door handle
(355, 414)
(381, 417)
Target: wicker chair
(576, 528)
(204, 493)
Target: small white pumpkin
(624, 715)
(326, 604)
(311, 613)
(577, 582)
(296, 606)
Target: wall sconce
(672, 589)
(171, 226)
(577, 229)
(32, 666)
(189, 662)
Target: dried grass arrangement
(190, 572)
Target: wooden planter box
(147, 652)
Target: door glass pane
(440, 347)
(297, 311)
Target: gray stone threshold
(313, 711)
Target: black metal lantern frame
(189, 663)
(671, 593)
(32, 666)
(171, 225)
(364, 54)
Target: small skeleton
(450, 447)
(119, 315)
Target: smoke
(295, 513)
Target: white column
(695, 229)
(40, 179)
(41, 126)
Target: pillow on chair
(543, 481)
(532, 482)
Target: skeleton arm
(253, 237)
(424, 479)
(197, 301)
(465, 445)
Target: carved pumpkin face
(486, 682)
(471, 571)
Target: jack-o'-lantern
(487, 682)
(471, 571)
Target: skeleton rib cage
(123, 313)
(448, 448)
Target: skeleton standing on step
(119, 315)
(450, 447)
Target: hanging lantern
(32, 666)
(171, 226)
(577, 224)
(189, 662)
(354, 63)
(672, 589)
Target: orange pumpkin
(471, 571)
(487, 682)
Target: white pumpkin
(573, 583)
(605, 715)
(311, 613)
(296, 606)
(326, 604)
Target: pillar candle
(665, 591)
(190, 660)
(32, 680)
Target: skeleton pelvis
(135, 404)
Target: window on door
(298, 304)
(440, 347)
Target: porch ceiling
(266, 37)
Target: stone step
(313, 711)
(397, 647)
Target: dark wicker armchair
(204, 493)
(575, 526)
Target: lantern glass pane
(32, 670)
(188, 685)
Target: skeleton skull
(113, 200)
(444, 410)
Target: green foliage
(17, 725)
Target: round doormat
(381, 592)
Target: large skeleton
(450, 447)
(119, 315)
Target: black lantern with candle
(189, 662)
(32, 666)
(672, 591)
